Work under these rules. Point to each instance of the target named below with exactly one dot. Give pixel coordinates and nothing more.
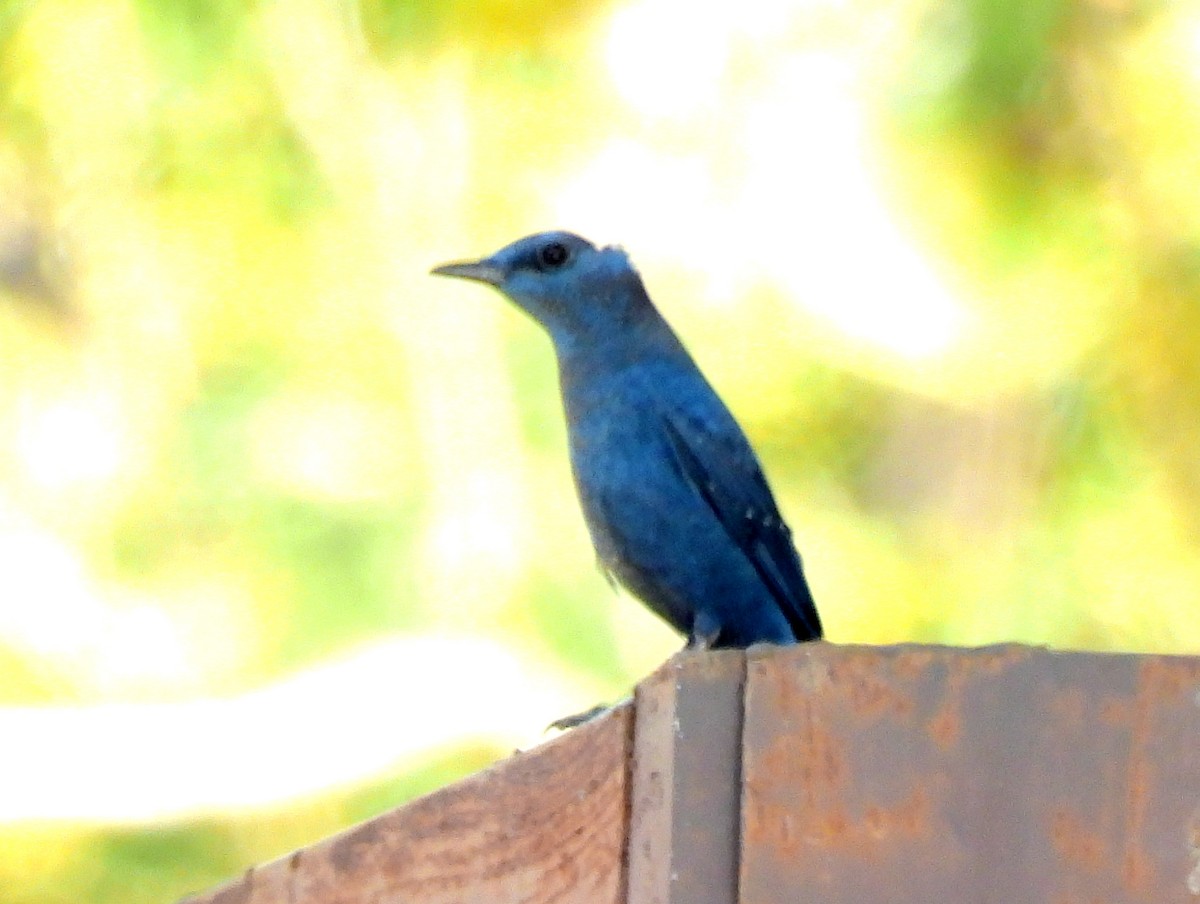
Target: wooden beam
(546, 825)
(917, 774)
(686, 781)
(815, 773)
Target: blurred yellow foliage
(940, 258)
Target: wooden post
(816, 773)
(686, 806)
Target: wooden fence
(818, 774)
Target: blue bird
(674, 498)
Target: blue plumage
(673, 495)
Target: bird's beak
(481, 271)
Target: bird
(673, 495)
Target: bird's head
(571, 287)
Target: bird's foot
(577, 719)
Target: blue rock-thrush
(673, 495)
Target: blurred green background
(287, 533)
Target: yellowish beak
(480, 271)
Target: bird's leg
(705, 631)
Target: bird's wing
(718, 462)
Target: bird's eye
(553, 255)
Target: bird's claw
(577, 719)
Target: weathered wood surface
(544, 825)
(685, 807)
(917, 774)
(817, 773)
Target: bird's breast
(624, 471)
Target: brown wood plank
(686, 781)
(547, 825)
(918, 774)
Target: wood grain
(685, 804)
(815, 773)
(917, 774)
(547, 825)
